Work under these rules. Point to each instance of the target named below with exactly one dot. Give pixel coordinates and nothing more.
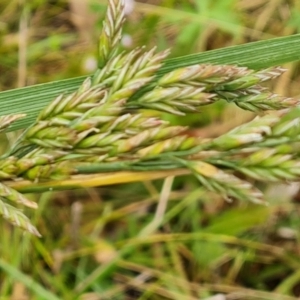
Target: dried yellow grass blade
(101, 179)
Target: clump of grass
(106, 125)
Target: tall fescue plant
(109, 124)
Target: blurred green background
(203, 247)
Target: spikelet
(6, 121)
(112, 31)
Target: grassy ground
(151, 240)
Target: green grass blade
(32, 285)
(257, 55)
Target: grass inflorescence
(110, 120)
(161, 235)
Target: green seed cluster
(113, 122)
